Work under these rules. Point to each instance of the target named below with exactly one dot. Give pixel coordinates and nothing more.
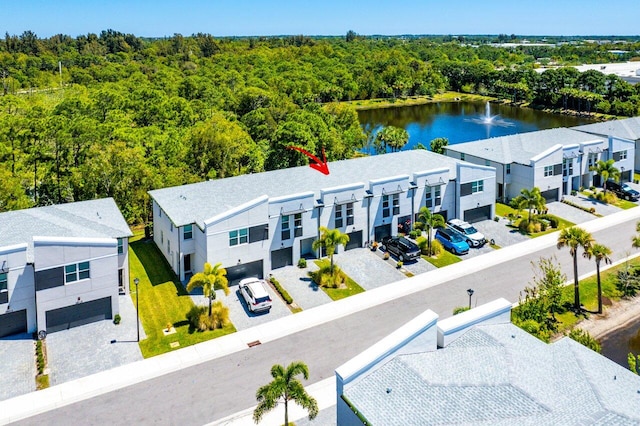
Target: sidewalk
(87, 387)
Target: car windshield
(470, 230)
(456, 238)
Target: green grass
(339, 293)
(42, 381)
(417, 100)
(504, 210)
(443, 259)
(625, 205)
(163, 300)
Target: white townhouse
(628, 128)
(555, 160)
(61, 266)
(255, 223)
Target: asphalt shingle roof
(198, 202)
(502, 375)
(85, 219)
(521, 147)
(628, 128)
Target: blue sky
(156, 18)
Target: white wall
(470, 173)
(538, 179)
(20, 283)
(103, 282)
(302, 203)
(165, 235)
(337, 197)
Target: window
(477, 186)
(120, 246)
(76, 272)
(171, 227)
(188, 232)
(508, 169)
(567, 167)
(623, 155)
(385, 206)
(548, 171)
(238, 236)
(159, 212)
(428, 197)
(462, 156)
(3, 282)
(338, 217)
(396, 204)
(169, 246)
(437, 196)
(286, 230)
(592, 159)
(161, 237)
(487, 162)
(297, 225)
(349, 213)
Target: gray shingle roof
(521, 147)
(628, 128)
(90, 219)
(499, 374)
(198, 202)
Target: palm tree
(529, 199)
(286, 386)
(330, 239)
(210, 279)
(599, 252)
(574, 238)
(607, 171)
(430, 221)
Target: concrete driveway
(499, 232)
(18, 366)
(367, 268)
(305, 293)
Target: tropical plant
(529, 199)
(574, 238)
(430, 221)
(212, 278)
(600, 253)
(286, 387)
(438, 145)
(200, 320)
(584, 338)
(329, 240)
(606, 170)
(634, 363)
(393, 137)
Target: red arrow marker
(319, 165)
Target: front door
(186, 261)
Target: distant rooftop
(628, 128)
(83, 219)
(499, 375)
(198, 202)
(521, 147)
(627, 71)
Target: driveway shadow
(244, 305)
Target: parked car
(623, 190)
(471, 235)
(452, 241)
(401, 247)
(254, 291)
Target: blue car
(452, 241)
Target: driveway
(499, 232)
(368, 269)
(18, 366)
(88, 349)
(305, 293)
(601, 208)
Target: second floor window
(438, 197)
(548, 171)
(297, 225)
(567, 167)
(120, 246)
(338, 222)
(286, 230)
(428, 197)
(508, 167)
(3, 282)
(238, 236)
(396, 204)
(188, 232)
(76, 272)
(386, 212)
(350, 214)
(477, 186)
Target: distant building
(476, 368)
(628, 128)
(61, 266)
(555, 160)
(255, 223)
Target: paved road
(217, 389)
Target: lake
(462, 121)
(617, 344)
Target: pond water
(617, 344)
(462, 121)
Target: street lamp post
(470, 293)
(136, 281)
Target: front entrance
(13, 323)
(186, 263)
(78, 314)
(121, 287)
(306, 248)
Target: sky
(158, 18)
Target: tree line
(112, 114)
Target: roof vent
(388, 390)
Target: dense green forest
(117, 115)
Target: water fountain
(490, 120)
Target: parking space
(241, 317)
(499, 232)
(91, 348)
(305, 293)
(367, 268)
(18, 366)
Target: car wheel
(382, 247)
(401, 258)
(626, 197)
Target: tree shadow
(156, 266)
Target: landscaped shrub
(415, 234)
(628, 281)
(324, 278)
(40, 357)
(460, 309)
(399, 264)
(287, 298)
(302, 263)
(418, 225)
(116, 319)
(199, 318)
(584, 338)
(537, 227)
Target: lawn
(339, 293)
(443, 259)
(163, 301)
(504, 210)
(417, 100)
